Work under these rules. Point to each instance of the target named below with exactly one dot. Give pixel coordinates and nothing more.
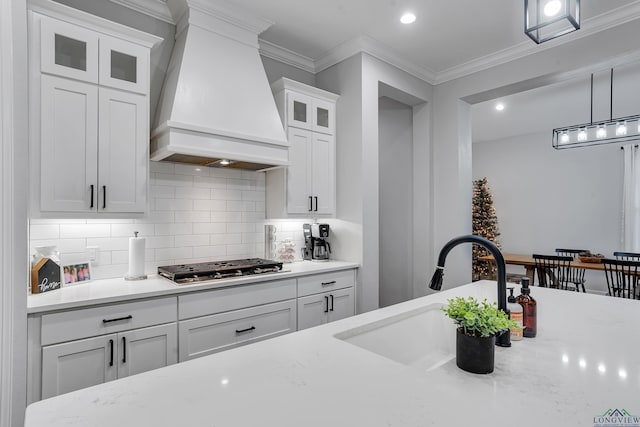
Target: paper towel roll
(136, 258)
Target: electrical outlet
(92, 252)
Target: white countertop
(118, 290)
(584, 361)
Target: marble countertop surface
(584, 362)
(120, 290)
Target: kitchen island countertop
(583, 363)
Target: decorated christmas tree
(485, 224)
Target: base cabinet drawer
(108, 319)
(317, 283)
(211, 334)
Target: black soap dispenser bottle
(529, 310)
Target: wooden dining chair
(553, 271)
(627, 256)
(622, 277)
(576, 275)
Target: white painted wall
(13, 212)
(357, 81)
(547, 198)
(396, 201)
(452, 119)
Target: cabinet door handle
(310, 203)
(326, 302)
(124, 350)
(104, 197)
(241, 331)
(331, 302)
(117, 319)
(91, 196)
(111, 357)
(316, 197)
(333, 282)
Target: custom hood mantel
(216, 104)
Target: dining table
(529, 263)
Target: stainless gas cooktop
(199, 272)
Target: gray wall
(395, 130)
(547, 198)
(276, 69)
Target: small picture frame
(78, 272)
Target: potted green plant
(478, 324)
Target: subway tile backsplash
(195, 214)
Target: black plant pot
(475, 354)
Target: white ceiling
(446, 35)
(449, 39)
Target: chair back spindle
(622, 277)
(553, 270)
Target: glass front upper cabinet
(310, 113)
(121, 65)
(68, 51)
(81, 54)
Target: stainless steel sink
(423, 338)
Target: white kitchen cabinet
(311, 175)
(80, 53)
(307, 186)
(210, 334)
(310, 112)
(221, 319)
(325, 297)
(79, 348)
(89, 111)
(82, 363)
(93, 148)
(68, 50)
(314, 310)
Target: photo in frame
(78, 272)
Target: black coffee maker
(316, 246)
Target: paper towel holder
(136, 256)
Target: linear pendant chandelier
(621, 129)
(545, 20)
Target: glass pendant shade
(545, 20)
(618, 130)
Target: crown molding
(155, 8)
(588, 27)
(376, 49)
(160, 10)
(289, 57)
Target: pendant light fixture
(545, 20)
(622, 129)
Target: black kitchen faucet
(504, 338)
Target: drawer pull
(333, 282)
(241, 331)
(118, 319)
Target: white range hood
(216, 103)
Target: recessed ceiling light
(408, 18)
(500, 106)
(552, 8)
